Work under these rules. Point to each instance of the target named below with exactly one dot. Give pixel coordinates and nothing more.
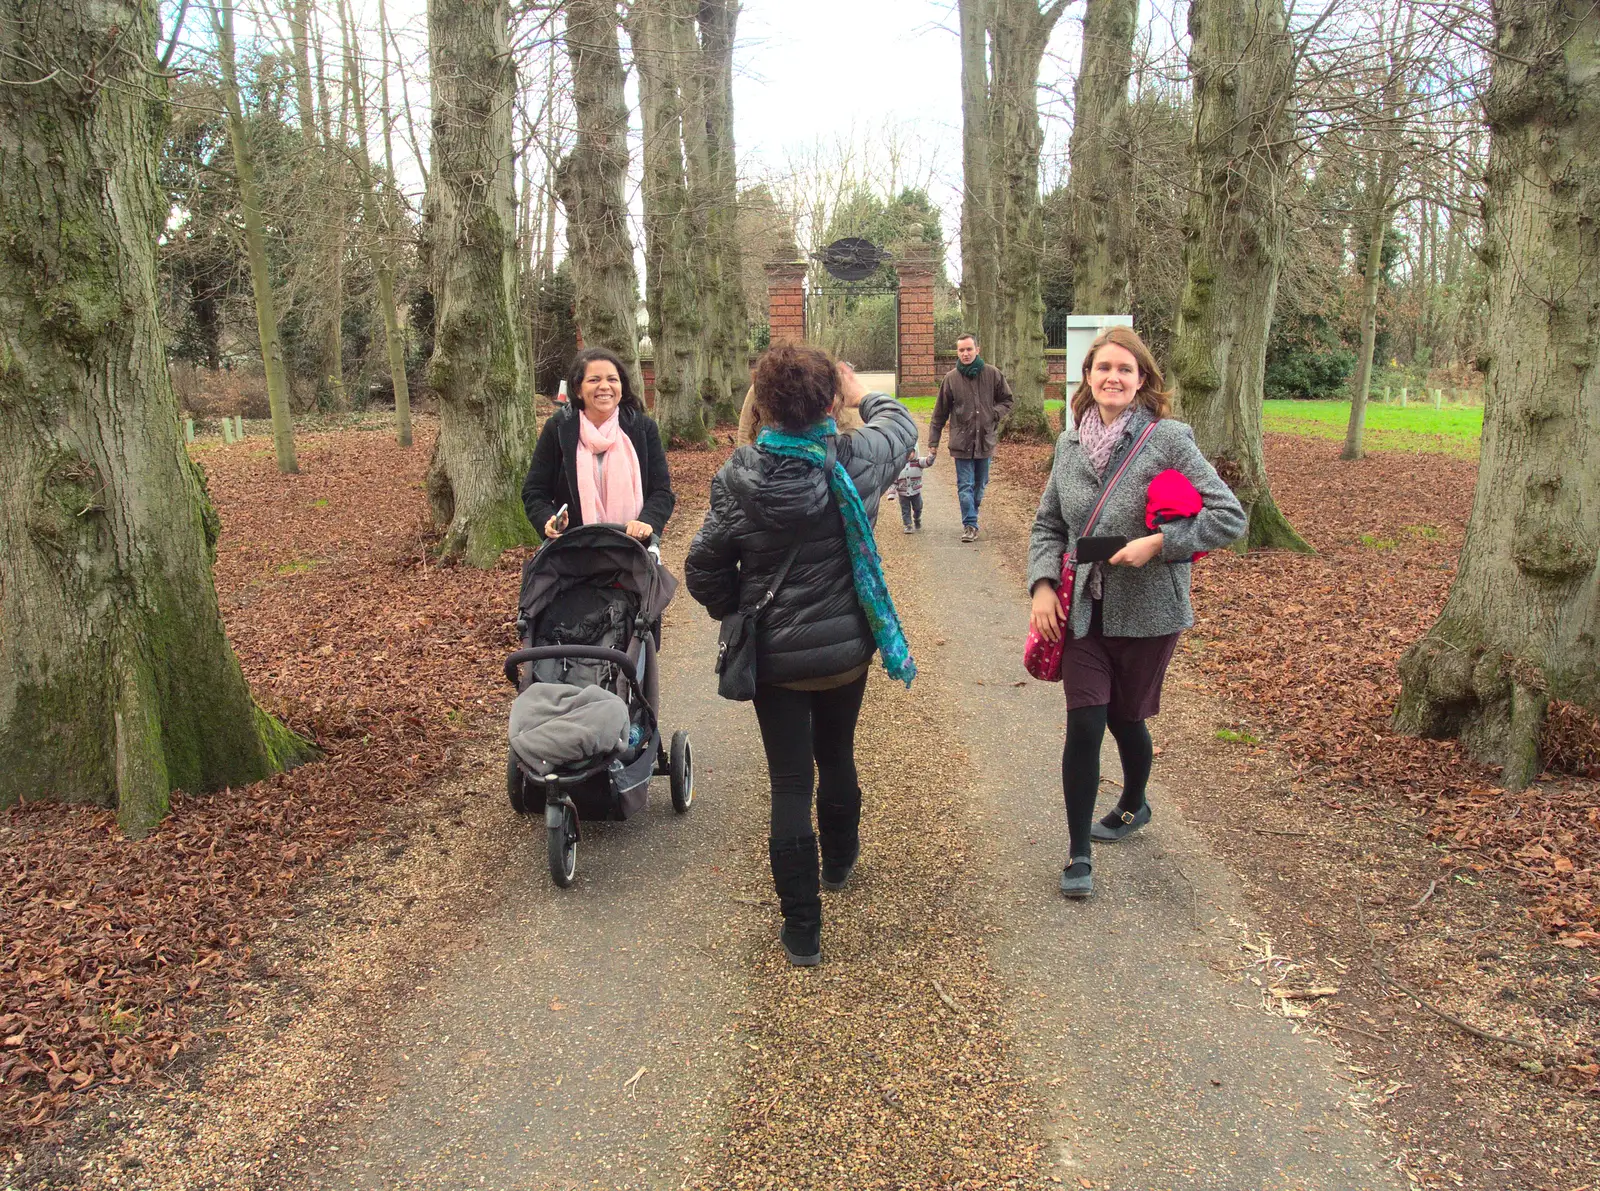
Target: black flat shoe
(1077, 879)
(1118, 824)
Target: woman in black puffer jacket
(813, 642)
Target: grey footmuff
(554, 725)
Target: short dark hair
(580, 367)
(795, 385)
(967, 335)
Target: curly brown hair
(1153, 393)
(795, 385)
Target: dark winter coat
(760, 503)
(974, 409)
(553, 475)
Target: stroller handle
(596, 653)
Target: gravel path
(524, 1053)
(1156, 1069)
(968, 1028)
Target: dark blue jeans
(972, 477)
(911, 509)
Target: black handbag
(736, 641)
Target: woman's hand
(1045, 615)
(1139, 551)
(639, 529)
(552, 529)
(851, 390)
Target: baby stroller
(585, 731)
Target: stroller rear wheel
(561, 830)
(516, 788)
(682, 771)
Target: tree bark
(591, 183)
(485, 416)
(255, 243)
(979, 241)
(394, 336)
(1100, 186)
(1019, 33)
(1242, 63)
(117, 684)
(320, 181)
(1377, 230)
(714, 190)
(1522, 621)
(377, 220)
(662, 33)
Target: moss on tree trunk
(1521, 626)
(117, 683)
(592, 180)
(485, 412)
(1242, 61)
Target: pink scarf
(1100, 441)
(609, 485)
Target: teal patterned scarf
(866, 569)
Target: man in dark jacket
(974, 399)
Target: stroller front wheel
(561, 830)
(681, 769)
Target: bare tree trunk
(662, 33)
(394, 336)
(979, 241)
(1522, 621)
(255, 243)
(1019, 33)
(1377, 230)
(591, 182)
(319, 182)
(376, 218)
(1242, 63)
(714, 190)
(117, 683)
(1100, 186)
(485, 416)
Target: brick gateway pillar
(917, 376)
(786, 300)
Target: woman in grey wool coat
(1126, 614)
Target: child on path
(908, 489)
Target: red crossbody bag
(1042, 658)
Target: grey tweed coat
(1147, 601)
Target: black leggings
(1080, 768)
(797, 728)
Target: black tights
(797, 728)
(1080, 767)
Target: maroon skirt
(1122, 674)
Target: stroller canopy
(595, 556)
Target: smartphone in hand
(562, 519)
(1100, 548)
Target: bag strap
(1105, 493)
(828, 463)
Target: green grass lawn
(1453, 430)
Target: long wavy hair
(580, 366)
(1153, 393)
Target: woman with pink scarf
(600, 459)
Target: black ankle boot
(839, 833)
(794, 876)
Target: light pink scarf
(609, 484)
(1098, 440)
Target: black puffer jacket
(814, 628)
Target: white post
(1404, 389)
